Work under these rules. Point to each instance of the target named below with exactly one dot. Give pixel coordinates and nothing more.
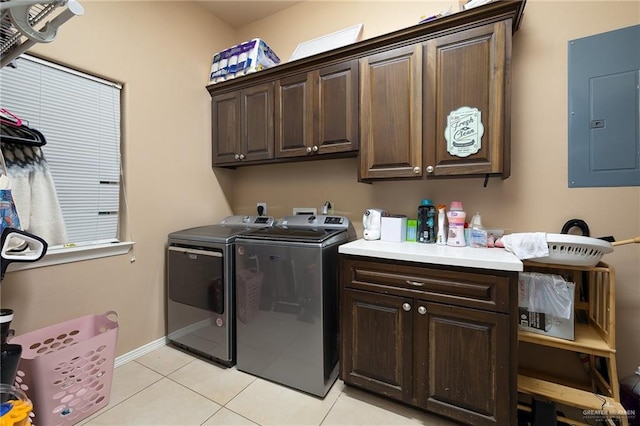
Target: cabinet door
(468, 69)
(376, 343)
(294, 117)
(336, 108)
(391, 114)
(225, 123)
(242, 125)
(257, 122)
(464, 371)
(316, 112)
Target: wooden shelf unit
(594, 340)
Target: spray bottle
(442, 235)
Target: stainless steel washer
(200, 287)
(287, 304)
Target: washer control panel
(314, 221)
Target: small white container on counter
(393, 228)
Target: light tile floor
(170, 387)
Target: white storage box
(544, 318)
(393, 228)
(241, 59)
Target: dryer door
(196, 278)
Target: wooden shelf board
(563, 419)
(584, 306)
(587, 340)
(600, 267)
(572, 382)
(569, 396)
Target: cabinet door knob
(315, 148)
(430, 169)
(415, 283)
(242, 157)
(308, 150)
(406, 307)
(237, 156)
(422, 310)
(416, 170)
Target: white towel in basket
(527, 245)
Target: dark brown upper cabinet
(242, 127)
(317, 112)
(391, 114)
(467, 102)
(390, 100)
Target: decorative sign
(464, 131)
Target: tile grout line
(332, 405)
(106, 409)
(166, 376)
(209, 399)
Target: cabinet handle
(422, 310)
(406, 307)
(430, 169)
(242, 157)
(416, 170)
(308, 150)
(415, 283)
(315, 148)
(237, 156)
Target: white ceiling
(239, 13)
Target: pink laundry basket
(66, 369)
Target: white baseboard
(142, 350)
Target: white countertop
(485, 258)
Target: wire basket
(66, 369)
(565, 249)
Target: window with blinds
(79, 115)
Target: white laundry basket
(565, 249)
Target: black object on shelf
(9, 353)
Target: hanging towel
(34, 192)
(527, 245)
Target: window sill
(74, 254)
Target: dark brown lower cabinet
(439, 339)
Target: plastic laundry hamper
(249, 287)
(67, 369)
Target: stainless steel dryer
(287, 301)
(200, 287)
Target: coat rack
(22, 24)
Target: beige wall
(161, 52)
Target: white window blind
(79, 115)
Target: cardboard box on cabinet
(242, 59)
(548, 299)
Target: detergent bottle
(456, 217)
